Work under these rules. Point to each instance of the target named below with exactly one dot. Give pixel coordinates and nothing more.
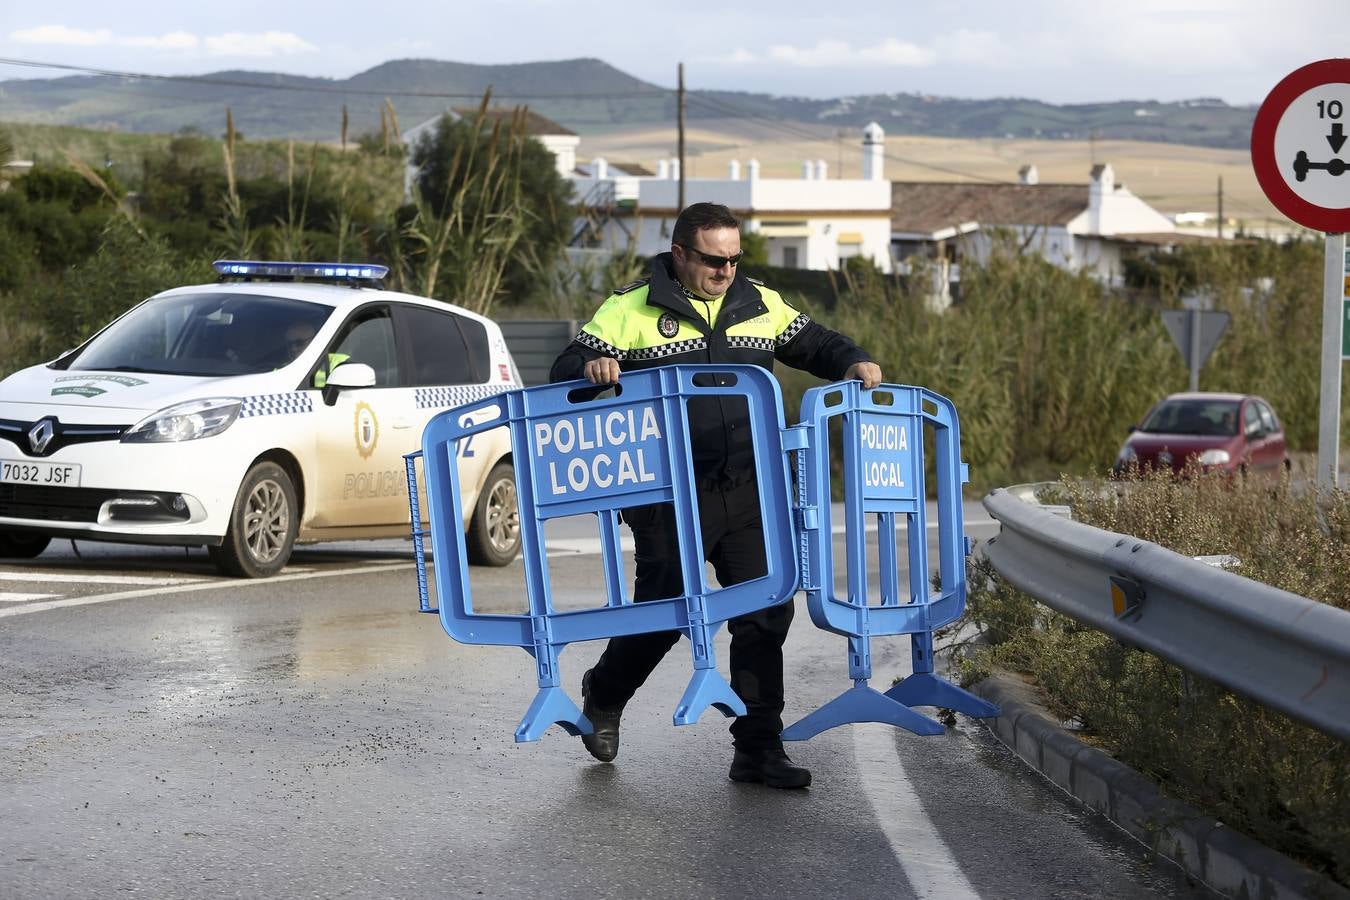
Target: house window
(789, 257)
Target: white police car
(272, 407)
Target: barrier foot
(860, 704)
(551, 706)
(926, 689)
(707, 688)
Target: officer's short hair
(699, 217)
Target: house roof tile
(925, 207)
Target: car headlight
(1214, 458)
(185, 421)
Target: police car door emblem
(367, 430)
(667, 325)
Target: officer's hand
(604, 370)
(869, 373)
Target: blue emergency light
(326, 271)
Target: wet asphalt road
(314, 736)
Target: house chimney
(601, 167)
(1103, 186)
(734, 170)
(808, 170)
(663, 168)
(752, 170)
(675, 168)
(1028, 175)
(821, 170)
(874, 147)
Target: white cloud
(964, 47)
(60, 34)
(174, 40)
(972, 47)
(267, 43)
(833, 54)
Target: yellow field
(1172, 177)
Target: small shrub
(1286, 784)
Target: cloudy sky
(1055, 50)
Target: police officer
(696, 307)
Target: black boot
(603, 742)
(769, 766)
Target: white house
(811, 222)
(1092, 226)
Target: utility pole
(680, 153)
(1220, 206)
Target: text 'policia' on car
(269, 408)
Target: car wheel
(263, 525)
(22, 545)
(494, 530)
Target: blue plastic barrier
(883, 448)
(576, 454)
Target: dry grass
(1172, 177)
(1282, 782)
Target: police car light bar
(328, 271)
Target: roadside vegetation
(1256, 770)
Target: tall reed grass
(1048, 368)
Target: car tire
(22, 545)
(494, 529)
(263, 525)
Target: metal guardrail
(1287, 652)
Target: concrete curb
(1225, 860)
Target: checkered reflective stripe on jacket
(660, 351)
(446, 397)
(286, 404)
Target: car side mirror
(344, 377)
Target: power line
(711, 103)
(324, 89)
(786, 127)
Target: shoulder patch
(754, 281)
(632, 286)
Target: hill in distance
(587, 96)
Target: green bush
(1284, 783)
(63, 310)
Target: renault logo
(40, 435)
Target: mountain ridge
(585, 95)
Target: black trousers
(733, 541)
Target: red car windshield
(1203, 417)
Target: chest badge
(667, 325)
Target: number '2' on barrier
(883, 476)
(575, 454)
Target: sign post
(1195, 333)
(1297, 143)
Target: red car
(1236, 433)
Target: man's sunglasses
(713, 262)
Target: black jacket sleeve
(821, 351)
(570, 362)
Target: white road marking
(64, 578)
(221, 584)
(11, 597)
(932, 871)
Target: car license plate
(17, 471)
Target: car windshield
(210, 334)
(1202, 417)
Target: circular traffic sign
(1301, 145)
